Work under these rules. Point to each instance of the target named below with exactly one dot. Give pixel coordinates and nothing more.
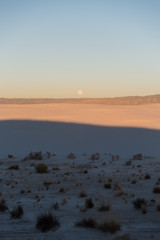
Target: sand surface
(143, 116)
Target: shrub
(137, 156)
(95, 156)
(3, 206)
(104, 208)
(71, 156)
(156, 190)
(125, 236)
(17, 212)
(14, 167)
(10, 156)
(34, 155)
(89, 203)
(41, 168)
(107, 185)
(56, 206)
(147, 176)
(82, 194)
(109, 226)
(138, 203)
(46, 222)
(87, 223)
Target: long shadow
(20, 137)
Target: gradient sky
(87, 48)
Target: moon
(80, 92)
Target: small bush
(109, 226)
(17, 212)
(107, 185)
(71, 156)
(104, 208)
(89, 203)
(95, 156)
(14, 167)
(46, 222)
(87, 223)
(34, 156)
(156, 190)
(139, 202)
(125, 236)
(56, 206)
(41, 168)
(137, 156)
(10, 156)
(82, 194)
(3, 206)
(147, 176)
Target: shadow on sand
(20, 137)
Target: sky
(87, 48)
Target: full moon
(79, 92)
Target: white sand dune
(143, 116)
(79, 128)
(21, 137)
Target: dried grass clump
(17, 212)
(46, 222)
(41, 168)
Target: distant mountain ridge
(130, 100)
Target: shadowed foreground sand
(143, 116)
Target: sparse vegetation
(17, 212)
(156, 190)
(104, 208)
(14, 167)
(71, 156)
(95, 156)
(138, 156)
(87, 223)
(89, 203)
(3, 206)
(46, 222)
(139, 203)
(111, 226)
(41, 168)
(82, 194)
(34, 156)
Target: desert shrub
(158, 206)
(3, 206)
(87, 223)
(111, 226)
(104, 208)
(56, 206)
(107, 185)
(10, 156)
(41, 168)
(62, 190)
(147, 176)
(46, 222)
(128, 163)
(156, 190)
(17, 212)
(95, 156)
(47, 184)
(137, 156)
(71, 156)
(34, 155)
(82, 194)
(139, 202)
(89, 203)
(14, 167)
(125, 236)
